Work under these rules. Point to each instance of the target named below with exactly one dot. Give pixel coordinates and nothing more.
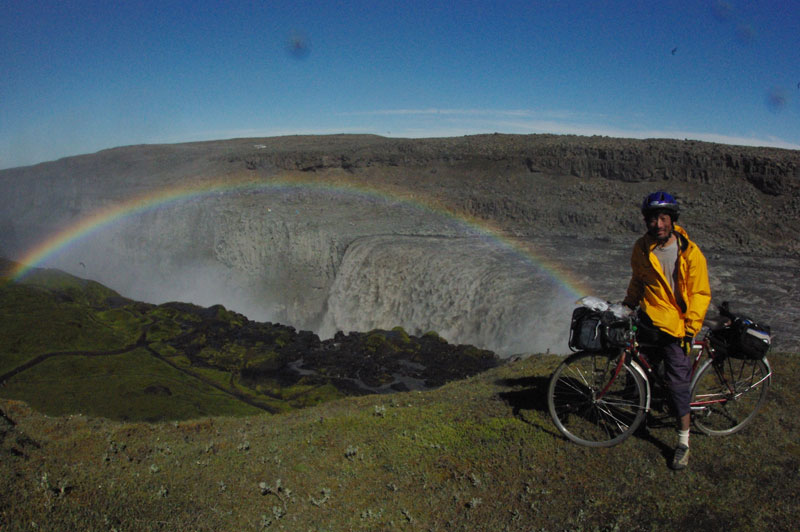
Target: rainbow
(164, 197)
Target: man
(669, 283)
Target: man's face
(659, 226)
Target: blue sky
(80, 76)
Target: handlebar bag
(594, 330)
(585, 332)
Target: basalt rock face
(733, 196)
(383, 232)
(771, 171)
(539, 184)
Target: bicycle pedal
(658, 405)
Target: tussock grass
(475, 454)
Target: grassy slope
(480, 453)
(124, 386)
(68, 345)
(53, 321)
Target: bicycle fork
(643, 375)
(638, 370)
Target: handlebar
(725, 311)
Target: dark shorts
(678, 376)
(677, 366)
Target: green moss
(302, 396)
(431, 334)
(401, 336)
(375, 341)
(70, 287)
(34, 321)
(229, 356)
(166, 350)
(231, 318)
(163, 330)
(128, 386)
(474, 352)
(263, 362)
(127, 323)
(390, 342)
(217, 376)
(170, 313)
(282, 338)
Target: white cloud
(434, 111)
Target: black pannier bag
(585, 330)
(742, 339)
(594, 330)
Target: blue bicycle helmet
(660, 202)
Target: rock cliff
(283, 248)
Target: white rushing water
(468, 290)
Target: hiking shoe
(681, 457)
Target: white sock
(683, 437)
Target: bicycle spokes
(727, 393)
(595, 399)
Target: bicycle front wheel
(591, 404)
(727, 394)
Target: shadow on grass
(533, 396)
(645, 434)
(530, 393)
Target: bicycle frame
(697, 406)
(633, 356)
(599, 397)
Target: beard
(660, 234)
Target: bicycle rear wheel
(591, 404)
(727, 394)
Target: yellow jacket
(650, 290)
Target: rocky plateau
(485, 239)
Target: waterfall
(467, 289)
(309, 263)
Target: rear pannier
(742, 339)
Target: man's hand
(686, 344)
(620, 310)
